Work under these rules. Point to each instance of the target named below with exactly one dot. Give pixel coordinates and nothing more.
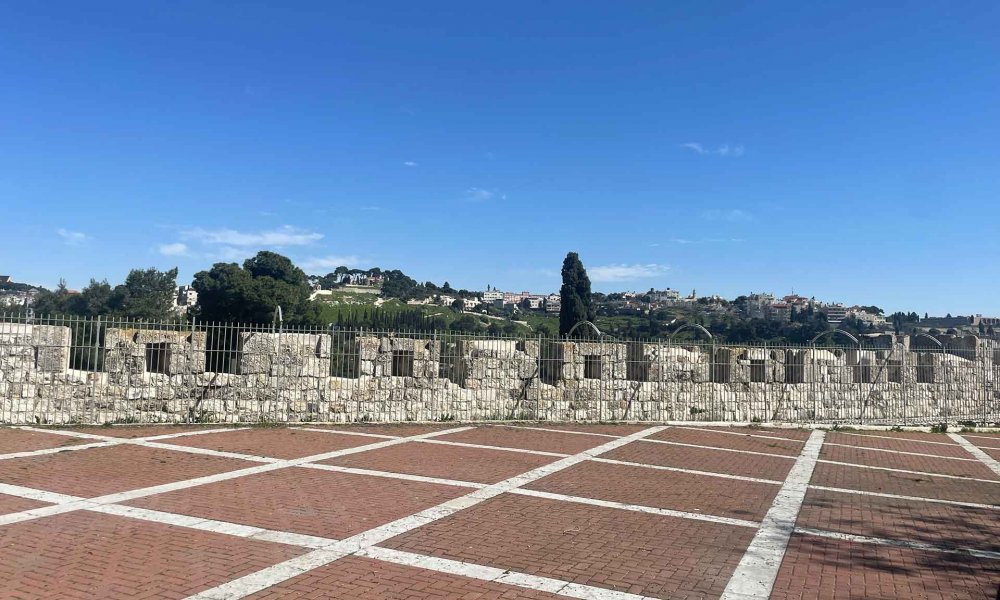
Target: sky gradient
(847, 152)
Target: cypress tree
(574, 295)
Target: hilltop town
(391, 299)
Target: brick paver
(99, 471)
(824, 568)
(477, 465)
(19, 440)
(366, 579)
(13, 504)
(528, 439)
(662, 489)
(274, 442)
(662, 557)
(906, 484)
(909, 462)
(727, 440)
(879, 440)
(892, 518)
(698, 459)
(90, 555)
(309, 501)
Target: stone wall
(169, 376)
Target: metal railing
(113, 370)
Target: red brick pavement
(800, 434)
(528, 439)
(662, 489)
(19, 440)
(892, 518)
(825, 568)
(13, 504)
(906, 484)
(366, 579)
(663, 557)
(274, 442)
(727, 440)
(909, 462)
(88, 555)
(99, 471)
(306, 501)
(449, 462)
(995, 454)
(716, 461)
(902, 444)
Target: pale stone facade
(145, 375)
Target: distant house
(4, 278)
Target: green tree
(146, 294)
(574, 294)
(250, 294)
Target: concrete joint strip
(855, 465)
(718, 448)
(391, 475)
(488, 447)
(901, 497)
(551, 430)
(342, 432)
(689, 471)
(899, 452)
(757, 570)
(665, 512)
(984, 458)
(752, 435)
(43, 452)
(865, 539)
(889, 437)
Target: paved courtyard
(547, 511)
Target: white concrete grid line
(751, 435)
(754, 576)
(664, 512)
(553, 430)
(990, 462)
(343, 432)
(995, 438)
(611, 461)
(865, 539)
(44, 451)
(889, 437)
(901, 497)
(866, 449)
(701, 447)
(928, 474)
(271, 576)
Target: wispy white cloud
(723, 150)
(371, 207)
(329, 263)
(72, 238)
(684, 241)
(733, 215)
(277, 238)
(176, 249)
(623, 272)
(410, 163)
(475, 194)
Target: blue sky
(848, 151)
